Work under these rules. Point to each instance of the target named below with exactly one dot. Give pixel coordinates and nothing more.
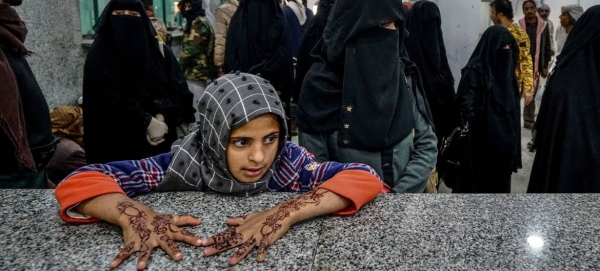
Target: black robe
(489, 99)
(357, 84)
(567, 136)
(126, 82)
(259, 42)
(425, 46)
(313, 34)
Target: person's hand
(155, 133)
(188, 128)
(545, 73)
(144, 229)
(528, 97)
(258, 230)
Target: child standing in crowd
(239, 148)
(197, 53)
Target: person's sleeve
(547, 47)
(198, 36)
(133, 177)
(466, 96)
(422, 159)
(81, 187)
(297, 171)
(526, 64)
(220, 38)
(359, 187)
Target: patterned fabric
(295, 171)
(197, 54)
(230, 102)
(134, 176)
(524, 70)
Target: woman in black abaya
(313, 34)
(567, 136)
(489, 101)
(425, 46)
(134, 91)
(362, 99)
(259, 42)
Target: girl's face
(252, 148)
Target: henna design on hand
(162, 223)
(272, 223)
(227, 239)
(230, 238)
(244, 248)
(187, 233)
(170, 243)
(125, 252)
(222, 236)
(137, 220)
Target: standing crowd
(365, 85)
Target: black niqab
(259, 42)
(313, 34)
(425, 46)
(357, 84)
(494, 63)
(127, 80)
(121, 43)
(568, 125)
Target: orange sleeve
(81, 187)
(358, 186)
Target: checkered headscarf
(200, 159)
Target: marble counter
(394, 232)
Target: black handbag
(450, 152)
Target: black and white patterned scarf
(200, 159)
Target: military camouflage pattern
(524, 71)
(197, 54)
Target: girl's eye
(270, 139)
(240, 143)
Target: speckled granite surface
(465, 232)
(395, 232)
(33, 237)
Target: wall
(460, 24)
(55, 38)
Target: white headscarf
(298, 9)
(574, 10)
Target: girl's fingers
(123, 254)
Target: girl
(239, 148)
